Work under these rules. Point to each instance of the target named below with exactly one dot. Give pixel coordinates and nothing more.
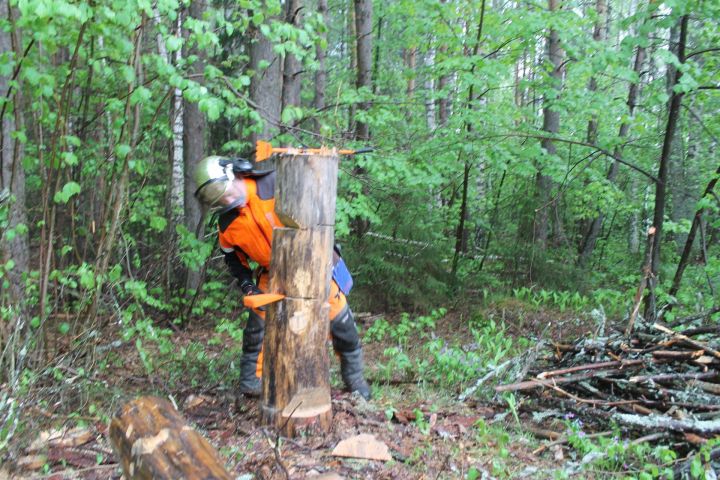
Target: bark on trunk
(320, 73)
(292, 69)
(663, 169)
(551, 124)
(264, 86)
(12, 191)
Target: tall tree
(551, 124)
(265, 85)
(194, 146)
(363, 28)
(663, 169)
(291, 82)
(14, 247)
(321, 72)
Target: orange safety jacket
(247, 230)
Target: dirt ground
(428, 432)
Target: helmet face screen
(213, 190)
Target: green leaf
(68, 190)
(122, 151)
(174, 43)
(158, 223)
(64, 328)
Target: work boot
(253, 334)
(346, 343)
(351, 370)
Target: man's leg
(346, 343)
(251, 361)
(252, 355)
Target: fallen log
(657, 422)
(153, 441)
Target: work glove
(249, 288)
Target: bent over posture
(245, 203)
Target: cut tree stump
(153, 441)
(296, 371)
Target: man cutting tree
(245, 203)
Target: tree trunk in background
(551, 124)
(363, 28)
(593, 232)
(696, 224)
(684, 176)
(265, 85)
(429, 90)
(321, 72)
(599, 35)
(410, 61)
(12, 190)
(194, 149)
(663, 169)
(442, 102)
(291, 72)
(176, 180)
(351, 46)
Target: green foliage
(417, 352)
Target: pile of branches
(654, 380)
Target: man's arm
(242, 272)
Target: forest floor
(429, 432)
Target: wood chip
(363, 446)
(63, 438)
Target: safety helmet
(213, 177)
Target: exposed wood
(689, 340)
(363, 446)
(296, 382)
(153, 441)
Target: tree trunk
(663, 169)
(320, 73)
(12, 191)
(194, 150)
(292, 69)
(551, 124)
(265, 90)
(599, 35)
(296, 380)
(153, 441)
(363, 27)
(443, 101)
(429, 90)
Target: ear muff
(241, 166)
